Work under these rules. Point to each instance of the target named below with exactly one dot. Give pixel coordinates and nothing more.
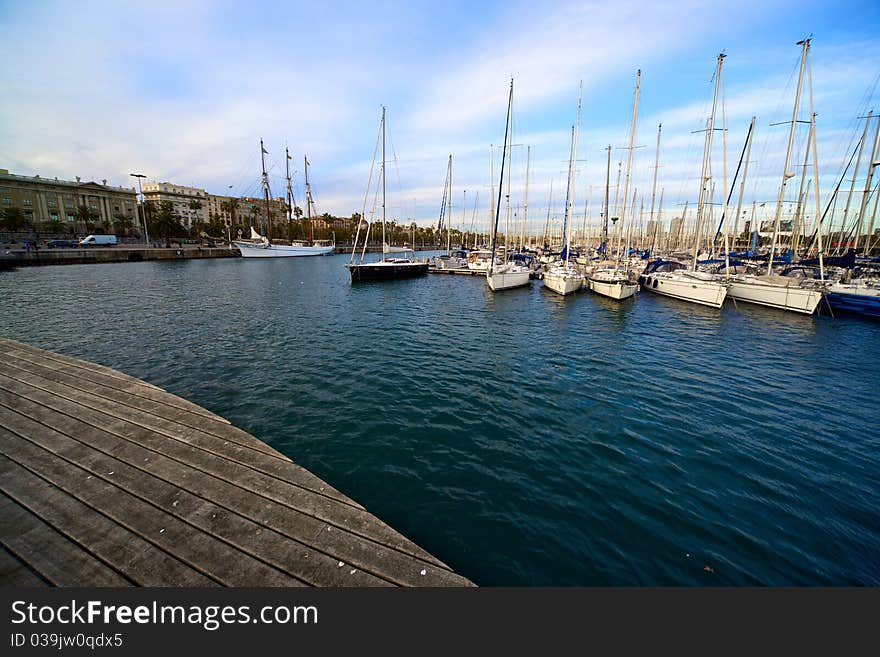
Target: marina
(638, 442)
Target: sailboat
(605, 279)
(673, 279)
(770, 289)
(387, 268)
(260, 246)
(508, 274)
(449, 260)
(565, 278)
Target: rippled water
(523, 438)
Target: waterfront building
(62, 206)
(189, 202)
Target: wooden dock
(459, 272)
(106, 480)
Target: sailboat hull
(387, 271)
(855, 299)
(612, 289)
(792, 298)
(685, 288)
(563, 284)
(507, 280)
(262, 250)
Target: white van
(98, 240)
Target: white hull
(564, 281)
(686, 288)
(505, 280)
(261, 250)
(782, 296)
(612, 289)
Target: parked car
(60, 244)
(98, 240)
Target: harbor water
(521, 437)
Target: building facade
(190, 203)
(50, 202)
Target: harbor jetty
(107, 480)
(92, 255)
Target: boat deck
(106, 480)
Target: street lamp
(143, 207)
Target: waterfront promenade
(106, 480)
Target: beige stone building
(190, 203)
(44, 200)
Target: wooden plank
(304, 562)
(126, 552)
(113, 474)
(373, 556)
(57, 559)
(201, 551)
(304, 500)
(155, 401)
(125, 383)
(262, 466)
(15, 572)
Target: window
(71, 217)
(53, 216)
(93, 205)
(7, 200)
(26, 201)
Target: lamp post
(143, 207)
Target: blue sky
(183, 91)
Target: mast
(501, 182)
(654, 184)
(268, 228)
(629, 155)
(742, 183)
(607, 183)
(706, 173)
(309, 202)
(872, 163)
(290, 200)
(785, 173)
(566, 227)
(383, 183)
(526, 199)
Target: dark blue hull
(854, 303)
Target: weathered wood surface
(110, 481)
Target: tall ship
(260, 245)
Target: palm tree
(230, 206)
(14, 220)
(86, 216)
(166, 224)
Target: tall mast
(290, 199)
(872, 164)
(785, 173)
(607, 184)
(449, 208)
(501, 182)
(463, 204)
(629, 155)
(852, 184)
(706, 173)
(268, 228)
(566, 224)
(742, 183)
(308, 200)
(383, 183)
(656, 166)
(526, 198)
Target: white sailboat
(671, 279)
(770, 290)
(566, 278)
(506, 275)
(607, 279)
(260, 246)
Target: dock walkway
(106, 480)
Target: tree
(166, 223)
(297, 212)
(14, 220)
(86, 217)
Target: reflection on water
(522, 437)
